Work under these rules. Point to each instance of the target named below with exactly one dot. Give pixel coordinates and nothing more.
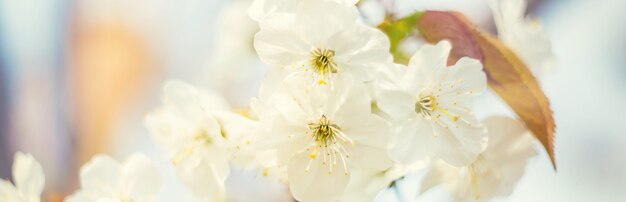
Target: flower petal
(425, 65)
(28, 175)
(140, 177)
(400, 105)
(459, 146)
(279, 46)
(101, 175)
(316, 28)
(316, 184)
(413, 141)
(8, 192)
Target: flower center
(431, 110)
(425, 106)
(323, 64)
(328, 140)
(202, 139)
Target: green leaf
(398, 30)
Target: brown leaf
(507, 74)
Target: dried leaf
(507, 74)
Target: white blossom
(105, 179)
(201, 137)
(322, 39)
(28, 178)
(234, 69)
(322, 134)
(429, 102)
(525, 36)
(495, 172)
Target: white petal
(346, 99)
(439, 173)
(316, 28)
(470, 72)
(366, 156)
(400, 105)
(524, 36)
(28, 175)
(364, 185)
(459, 146)
(101, 175)
(204, 176)
(8, 192)
(279, 46)
(140, 176)
(191, 100)
(316, 184)
(425, 65)
(412, 142)
(510, 146)
(262, 9)
(371, 137)
(360, 51)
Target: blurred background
(77, 77)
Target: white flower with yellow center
(28, 178)
(201, 137)
(105, 179)
(495, 172)
(525, 36)
(429, 102)
(322, 134)
(323, 39)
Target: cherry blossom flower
(322, 46)
(201, 137)
(525, 36)
(28, 178)
(322, 135)
(105, 179)
(495, 172)
(429, 102)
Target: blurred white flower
(28, 178)
(260, 9)
(234, 68)
(322, 134)
(105, 179)
(201, 137)
(322, 46)
(525, 36)
(365, 185)
(495, 172)
(429, 103)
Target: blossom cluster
(335, 118)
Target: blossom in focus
(28, 178)
(524, 36)
(105, 179)
(495, 172)
(429, 104)
(322, 39)
(322, 135)
(201, 137)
